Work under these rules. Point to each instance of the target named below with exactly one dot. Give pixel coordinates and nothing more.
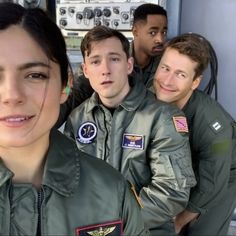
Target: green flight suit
(213, 147)
(80, 195)
(141, 141)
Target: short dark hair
(99, 33)
(195, 47)
(142, 11)
(39, 25)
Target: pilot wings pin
(114, 228)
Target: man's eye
(164, 32)
(181, 75)
(153, 33)
(164, 68)
(115, 59)
(95, 62)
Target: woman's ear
(65, 93)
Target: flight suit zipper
(39, 206)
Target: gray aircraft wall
(216, 20)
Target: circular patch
(86, 132)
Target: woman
(47, 186)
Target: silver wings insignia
(102, 231)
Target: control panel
(76, 17)
(84, 16)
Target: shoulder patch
(113, 228)
(86, 133)
(180, 123)
(216, 126)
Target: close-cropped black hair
(142, 11)
(39, 25)
(99, 33)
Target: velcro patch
(180, 123)
(216, 126)
(114, 228)
(133, 141)
(86, 133)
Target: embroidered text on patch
(180, 123)
(133, 141)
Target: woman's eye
(37, 76)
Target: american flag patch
(180, 123)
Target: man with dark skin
(149, 31)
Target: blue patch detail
(133, 141)
(86, 133)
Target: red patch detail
(180, 123)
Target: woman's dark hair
(41, 28)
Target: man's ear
(135, 30)
(196, 82)
(84, 68)
(130, 65)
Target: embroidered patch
(216, 126)
(180, 123)
(86, 132)
(133, 141)
(114, 228)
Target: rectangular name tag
(133, 141)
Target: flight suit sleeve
(134, 224)
(214, 145)
(80, 91)
(172, 174)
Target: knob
(88, 13)
(97, 12)
(106, 12)
(125, 16)
(71, 10)
(116, 23)
(63, 22)
(116, 10)
(106, 23)
(62, 11)
(79, 16)
(98, 22)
